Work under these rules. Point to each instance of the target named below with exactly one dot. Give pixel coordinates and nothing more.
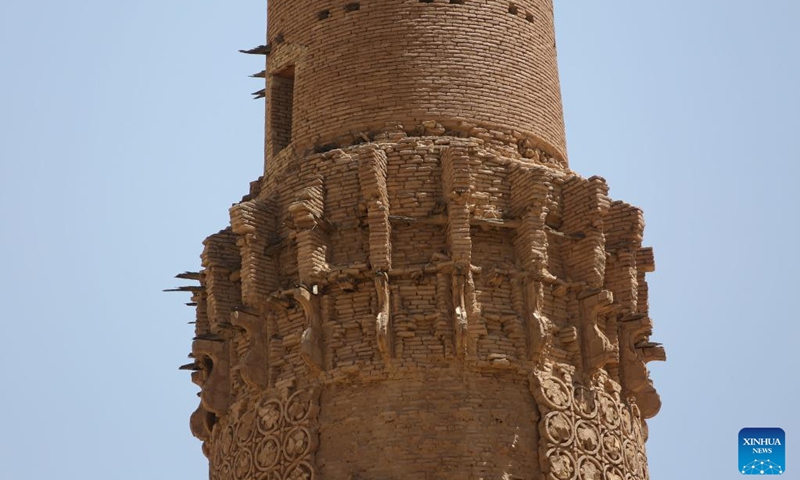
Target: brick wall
(424, 291)
(419, 286)
(404, 61)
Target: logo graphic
(762, 451)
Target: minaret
(419, 287)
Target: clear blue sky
(127, 130)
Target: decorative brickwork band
(372, 177)
(269, 437)
(411, 259)
(457, 190)
(588, 433)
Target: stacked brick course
(361, 64)
(419, 286)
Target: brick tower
(419, 287)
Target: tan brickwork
(365, 63)
(419, 287)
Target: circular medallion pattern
(613, 472)
(301, 471)
(629, 452)
(562, 465)
(243, 465)
(609, 411)
(227, 439)
(584, 403)
(268, 453)
(587, 437)
(556, 393)
(269, 416)
(245, 428)
(642, 466)
(273, 439)
(296, 409)
(558, 426)
(590, 469)
(627, 421)
(589, 432)
(612, 448)
(297, 444)
(225, 471)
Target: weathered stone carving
(254, 364)
(588, 432)
(271, 436)
(635, 351)
(598, 351)
(372, 177)
(457, 188)
(310, 346)
(213, 375)
(201, 423)
(383, 320)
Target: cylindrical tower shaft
(419, 287)
(338, 68)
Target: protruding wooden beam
(211, 337)
(189, 276)
(259, 50)
(190, 288)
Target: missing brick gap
(352, 7)
(513, 9)
(323, 14)
(457, 2)
(281, 106)
(529, 17)
(425, 1)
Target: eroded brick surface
(419, 286)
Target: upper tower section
(336, 68)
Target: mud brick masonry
(419, 287)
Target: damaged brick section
(419, 286)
